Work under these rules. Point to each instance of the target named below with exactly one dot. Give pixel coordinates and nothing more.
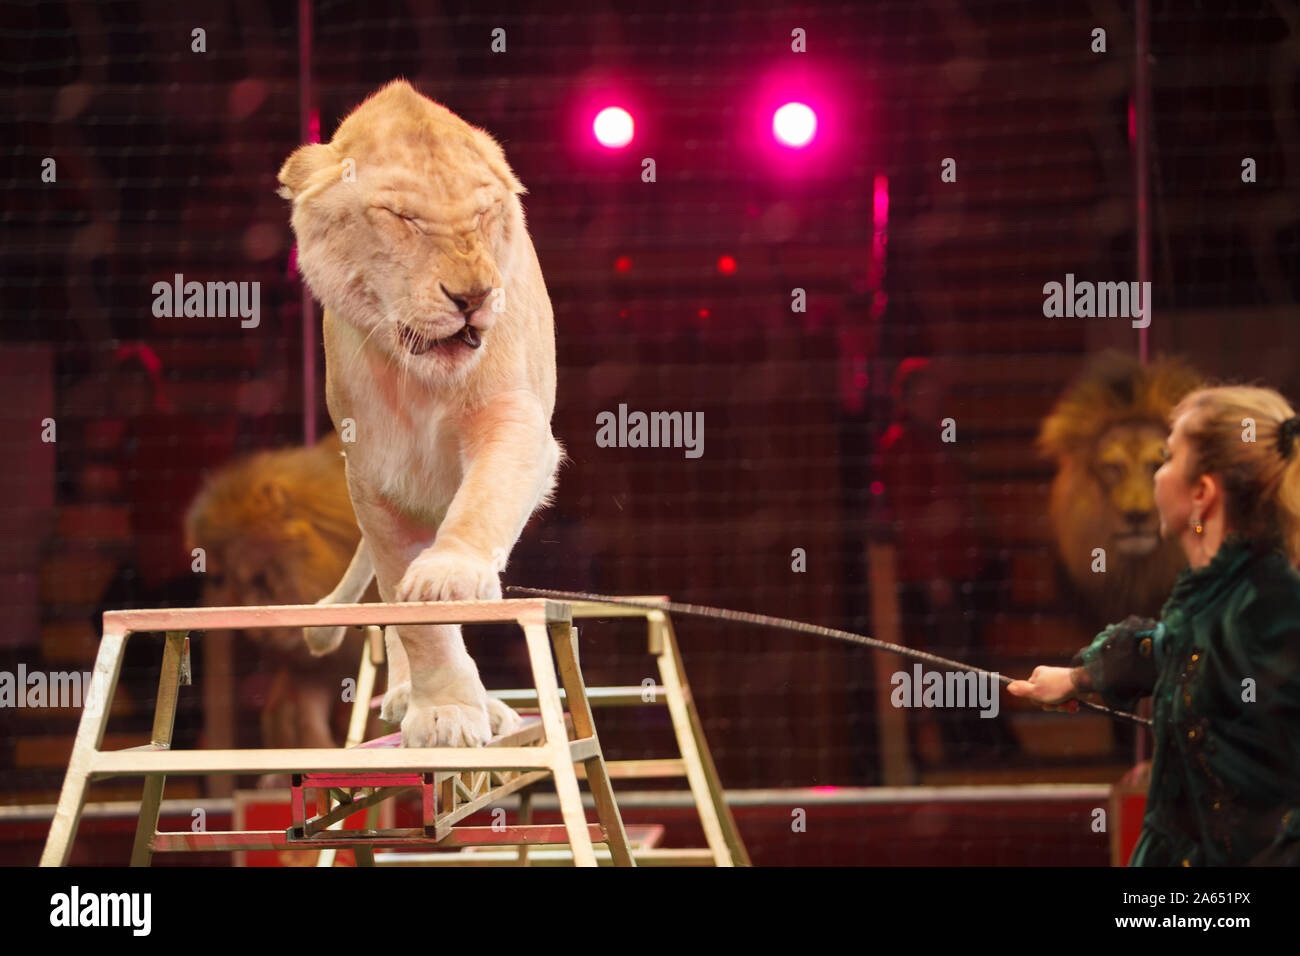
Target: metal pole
(305, 134)
(1141, 121)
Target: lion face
(1106, 435)
(1103, 498)
(407, 223)
(1110, 506)
(245, 572)
(1124, 466)
(257, 564)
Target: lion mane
(1105, 435)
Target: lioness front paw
(446, 725)
(449, 576)
(504, 719)
(396, 700)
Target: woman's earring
(1197, 527)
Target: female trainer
(1223, 663)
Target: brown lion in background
(277, 527)
(1106, 435)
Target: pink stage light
(613, 127)
(794, 124)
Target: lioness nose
(1135, 517)
(467, 302)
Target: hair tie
(1286, 435)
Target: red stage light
(613, 127)
(794, 124)
(726, 265)
(622, 263)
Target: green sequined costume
(1225, 776)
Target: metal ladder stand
(454, 782)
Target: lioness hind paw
(504, 719)
(395, 704)
(323, 640)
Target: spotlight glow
(794, 124)
(613, 127)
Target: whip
(784, 624)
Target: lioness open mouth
(418, 344)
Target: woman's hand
(1050, 686)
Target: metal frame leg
(557, 743)
(525, 819)
(715, 815)
(90, 735)
(564, 638)
(175, 672)
(372, 655)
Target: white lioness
(440, 348)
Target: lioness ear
(304, 163)
(495, 157)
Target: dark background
(167, 161)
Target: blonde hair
(1261, 478)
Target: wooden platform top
(522, 610)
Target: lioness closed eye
(440, 347)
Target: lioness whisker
(363, 345)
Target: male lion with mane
(276, 527)
(1106, 435)
(440, 364)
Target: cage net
(859, 326)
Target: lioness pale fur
(440, 362)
